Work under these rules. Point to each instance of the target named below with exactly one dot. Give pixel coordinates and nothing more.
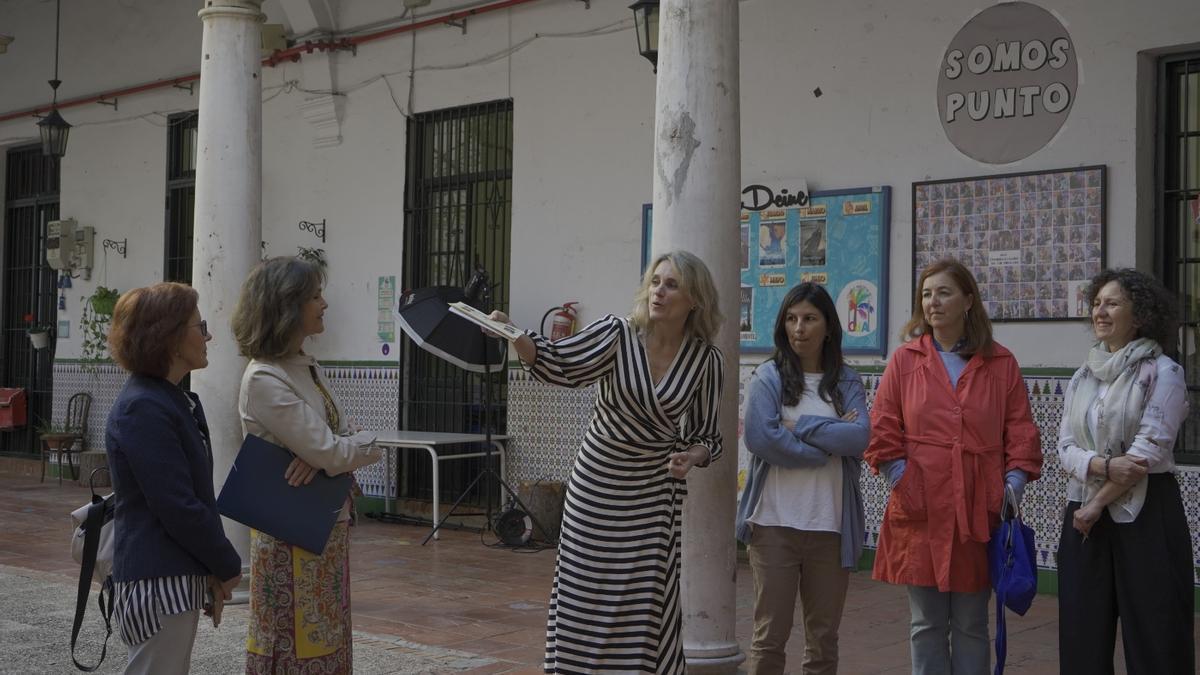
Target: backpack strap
(91, 544)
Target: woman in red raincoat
(950, 428)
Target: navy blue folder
(257, 495)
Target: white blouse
(1165, 411)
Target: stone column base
(718, 661)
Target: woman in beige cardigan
(299, 602)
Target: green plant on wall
(52, 428)
(93, 324)
(103, 300)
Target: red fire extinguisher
(563, 324)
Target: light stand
(478, 293)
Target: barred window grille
(1178, 216)
(181, 197)
(458, 205)
(30, 287)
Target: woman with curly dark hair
(1125, 550)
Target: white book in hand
(504, 330)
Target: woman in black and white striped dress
(615, 600)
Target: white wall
(877, 122)
(584, 128)
(357, 187)
(116, 183)
(583, 108)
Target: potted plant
(39, 335)
(56, 435)
(103, 300)
(315, 256)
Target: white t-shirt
(806, 498)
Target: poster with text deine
(836, 238)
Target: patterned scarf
(1131, 375)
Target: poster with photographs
(1031, 239)
(838, 239)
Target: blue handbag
(1012, 565)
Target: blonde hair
(695, 280)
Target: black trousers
(1140, 572)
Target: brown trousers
(784, 561)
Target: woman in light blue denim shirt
(805, 418)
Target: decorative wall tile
(370, 399)
(546, 425)
(103, 383)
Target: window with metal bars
(30, 287)
(181, 197)
(458, 206)
(1178, 216)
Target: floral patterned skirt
(299, 607)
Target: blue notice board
(839, 239)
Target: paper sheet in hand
(510, 333)
(257, 495)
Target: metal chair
(75, 423)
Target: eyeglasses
(203, 325)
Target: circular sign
(858, 308)
(1007, 83)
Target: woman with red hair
(169, 546)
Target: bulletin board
(1033, 240)
(839, 239)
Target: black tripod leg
(525, 509)
(449, 513)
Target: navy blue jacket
(166, 521)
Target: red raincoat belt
(970, 499)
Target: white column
(697, 195)
(228, 228)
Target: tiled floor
(459, 594)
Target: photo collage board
(839, 239)
(1032, 240)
